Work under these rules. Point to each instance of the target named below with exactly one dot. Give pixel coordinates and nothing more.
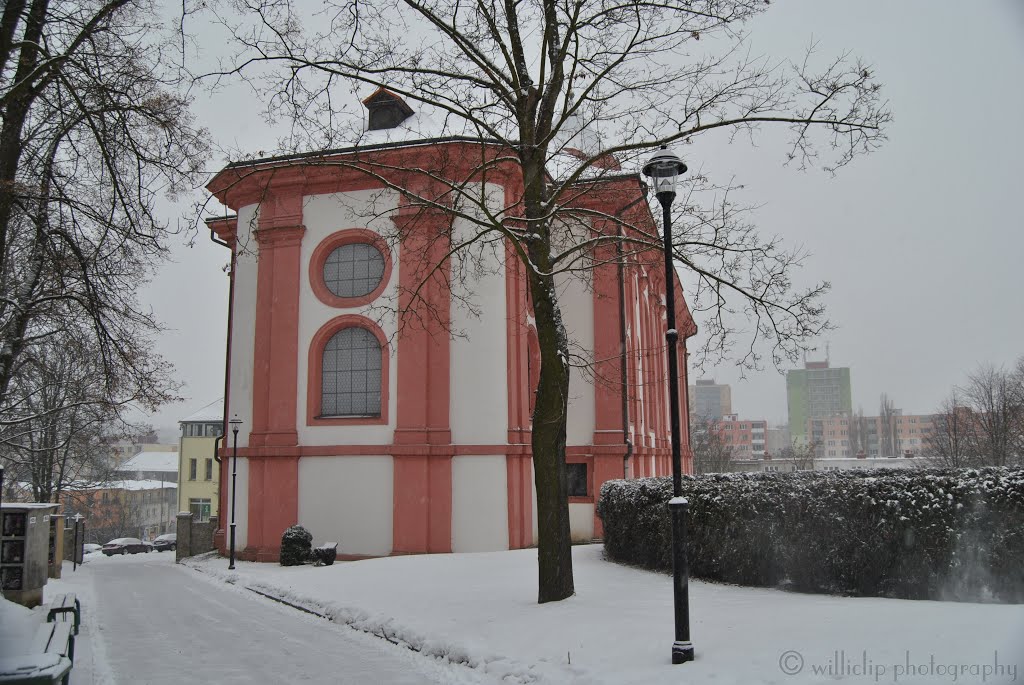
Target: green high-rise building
(816, 391)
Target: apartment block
(816, 391)
(710, 401)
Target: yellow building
(197, 469)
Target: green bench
(62, 605)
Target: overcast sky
(922, 240)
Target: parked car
(168, 541)
(90, 547)
(126, 546)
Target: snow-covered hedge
(940, 534)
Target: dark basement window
(576, 477)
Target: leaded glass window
(353, 270)
(351, 380)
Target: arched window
(351, 374)
(347, 381)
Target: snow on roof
(214, 411)
(135, 485)
(151, 461)
(29, 505)
(132, 485)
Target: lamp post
(663, 169)
(235, 423)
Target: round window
(353, 270)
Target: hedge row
(921, 534)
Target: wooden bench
(33, 669)
(62, 605)
(55, 639)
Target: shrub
(940, 534)
(295, 546)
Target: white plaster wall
(348, 500)
(243, 322)
(241, 504)
(479, 352)
(322, 216)
(479, 504)
(577, 304)
(581, 522)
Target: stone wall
(194, 537)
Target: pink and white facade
(440, 459)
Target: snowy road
(161, 623)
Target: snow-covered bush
(941, 534)
(295, 546)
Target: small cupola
(387, 110)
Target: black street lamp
(663, 169)
(235, 423)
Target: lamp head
(664, 168)
(235, 422)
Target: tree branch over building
(572, 93)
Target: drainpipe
(227, 377)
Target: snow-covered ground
(147, 620)
(480, 610)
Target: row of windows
(200, 430)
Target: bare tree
(951, 442)
(858, 433)
(801, 455)
(710, 453)
(991, 394)
(888, 444)
(92, 133)
(568, 93)
(1017, 401)
(64, 410)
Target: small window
(192, 469)
(351, 380)
(353, 270)
(576, 478)
(209, 469)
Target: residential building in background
(745, 437)
(121, 452)
(847, 437)
(127, 508)
(814, 392)
(198, 472)
(158, 466)
(709, 401)
(788, 465)
(777, 439)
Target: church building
(384, 379)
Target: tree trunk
(554, 551)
